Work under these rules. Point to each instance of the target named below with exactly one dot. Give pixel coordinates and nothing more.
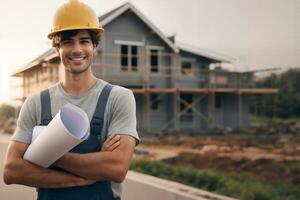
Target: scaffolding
(166, 75)
(207, 83)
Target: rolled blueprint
(66, 130)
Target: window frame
(192, 61)
(159, 50)
(129, 67)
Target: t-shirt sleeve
(123, 115)
(26, 121)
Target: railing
(173, 77)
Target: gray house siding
(231, 111)
(183, 70)
(199, 66)
(158, 117)
(130, 28)
(124, 28)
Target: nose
(77, 48)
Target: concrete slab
(142, 186)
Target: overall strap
(46, 115)
(98, 117)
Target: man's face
(76, 52)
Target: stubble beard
(77, 71)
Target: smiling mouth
(77, 58)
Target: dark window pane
(134, 64)
(188, 98)
(186, 68)
(154, 60)
(124, 57)
(155, 101)
(124, 63)
(134, 61)
(218, 101)
(124, 49)
(134, 50)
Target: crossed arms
(111, 163)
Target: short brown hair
(63, 35)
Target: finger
(113, 140)
(106, 142)
(105, 147)
(114, 146)
(109, 138)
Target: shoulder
(32, 99)
(121, 97)
(119, 91)
(35, 98)
(116, 90)
(53, 89)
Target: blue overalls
(101, 190)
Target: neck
(76, 84)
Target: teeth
(80, 58)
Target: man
(86, 172)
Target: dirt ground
(274, 158)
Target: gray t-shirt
(119, 116)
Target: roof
(110, 16)
(50, 53)
(109, 13)
(204, 52)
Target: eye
(87, 41)
(66, 42)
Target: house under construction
(173, 85)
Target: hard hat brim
(98, 30)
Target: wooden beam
(207, 90)
(259, 90)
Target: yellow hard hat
(75, 15)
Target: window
(218, 101)
(154, 60)
(134, 58)
(186, 68)
(129, 58)
(155, 101)
(124, 57)
(188, 114)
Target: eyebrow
(82, 38)
(85, 38)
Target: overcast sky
(258, 33)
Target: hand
(83, 181)
(111, 143)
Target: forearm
(23, 172)
(19, 171)
(98, 166)
(111, 166)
